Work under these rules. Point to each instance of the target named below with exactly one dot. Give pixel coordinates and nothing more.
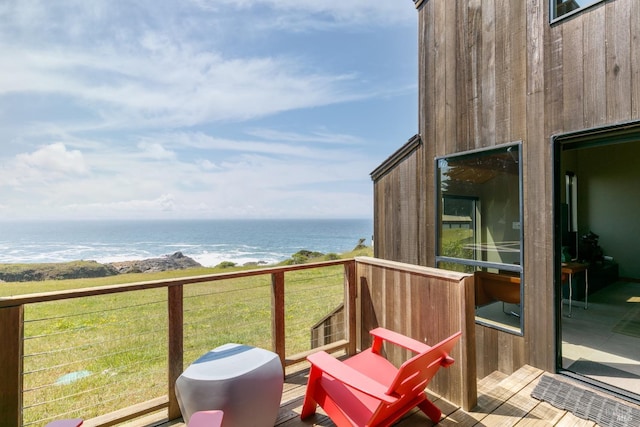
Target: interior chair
(367, 390)
(198, 419)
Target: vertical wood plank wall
(493, 72)
(399, 220)
(426, 304)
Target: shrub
(226, 264)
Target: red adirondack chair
(367, 390)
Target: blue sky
(202, 108)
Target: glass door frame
(628, 132)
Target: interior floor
(501, 315)
(602, 342)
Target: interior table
(571, 268)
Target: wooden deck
(502, 401)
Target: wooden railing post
(350, 304)
(176, 345)
(277, 315)
(11, 334)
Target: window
(561, 8)
(479, 224)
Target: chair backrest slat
(414, 375)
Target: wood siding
(426, 304)
(494, 72)
(400, 220)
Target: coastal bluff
(84, 269)
(92, 269)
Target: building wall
(493, 72)
(399, 217)
(608, 188)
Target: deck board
(502, 401)
(514, 399)
(542, 411)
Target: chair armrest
(349, 376)
(447, 361)
(398, 339)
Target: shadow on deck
(502, 401)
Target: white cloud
(161, 109)
(176, 87)
(51, 162)
(206, 165)
(348, 12)
(138, 207)
(155, 151)
(150, 71)
(122, 185)
(126, 73)
(324, 137)
(271, 146)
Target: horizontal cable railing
(311, 296)
(112, 353)
(107, 351)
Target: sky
(203, 109)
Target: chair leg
(308, 407)
(511, 313)
(309, 404)
(431, 410)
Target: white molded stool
(242, 381)
(206, 419)
(75, 422)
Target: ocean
(209, 242)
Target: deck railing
(111, 354)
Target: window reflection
(479, 227)
(563, 7)
(480, 203)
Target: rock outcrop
(176, 261)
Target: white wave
(121, 258)
(213, 259)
